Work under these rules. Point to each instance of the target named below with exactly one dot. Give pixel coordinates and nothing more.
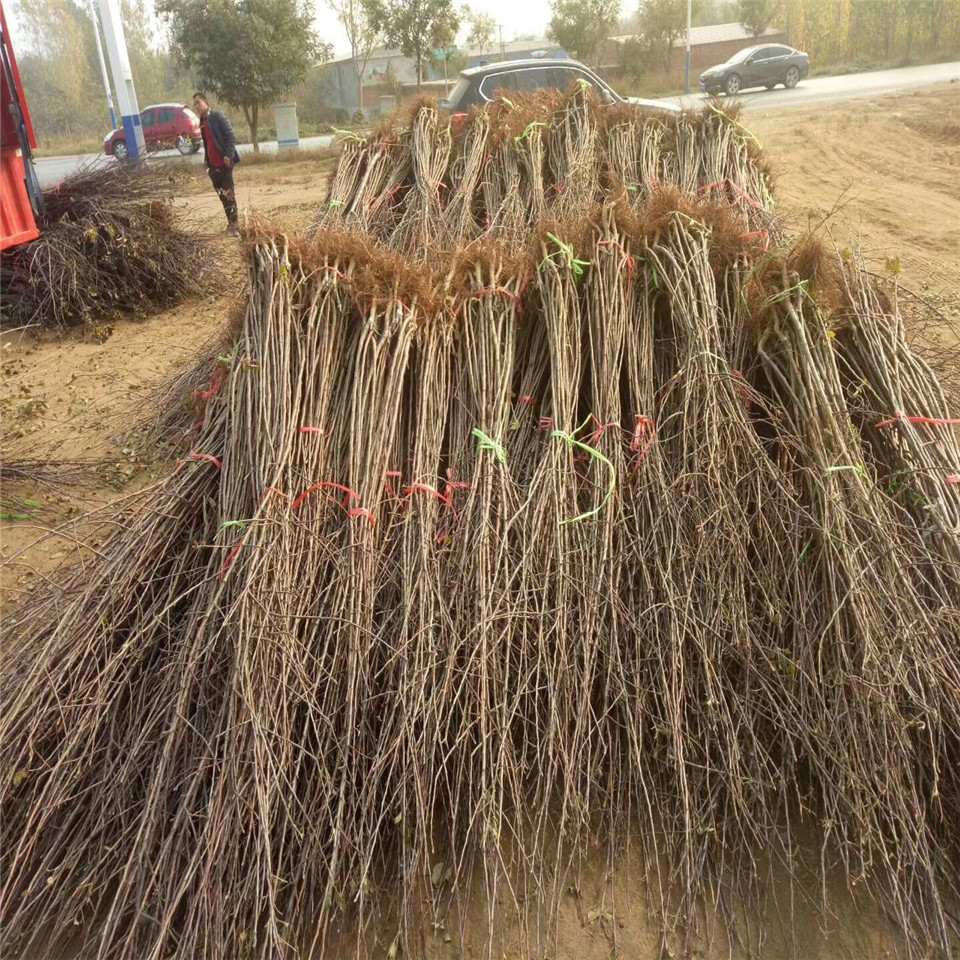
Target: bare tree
(362, 36)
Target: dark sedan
(479, 85)
(763, 66)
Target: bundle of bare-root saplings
(110, 244)
(639, 535)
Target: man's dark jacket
(218, 127)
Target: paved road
(52, 170)
(848, 87)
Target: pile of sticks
(110, 244)
(513, 164)
(645, 533)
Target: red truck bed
(17, 222)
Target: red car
(165, 126)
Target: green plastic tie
(856, 467)
(706, 353)
(566, 251)
(571, 440)
(530, 128)
(801, 285)
(487, 443)
(736, 123)
(228, 524)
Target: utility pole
(103, 65)
(689, 24)
(122, 77)
(503, 55)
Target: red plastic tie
(928, 421)
(528, 400)
(396, 474)
(216, 382)
(493, 291)
(334, 270)
(362, 512)
(208, 457)
(742, 390)
(230, 556)
(425, 488)
(317, 430)
(451, 486)
(598, 433)
(758, 233)
(631, 263)
(524, 281)
(736, 189)
(326, 485)
(643, 437)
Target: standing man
(220, 155)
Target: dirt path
(885, 171)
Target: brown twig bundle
(644, 533)
(506, 168)
(110, 243)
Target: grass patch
(314, 155)
(68, 146)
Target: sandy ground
(883, 174)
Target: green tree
(247, 52)
(633, 58)
(755, 15)
(61, 73)
(580, 26)
(57, 67)
(662, 23)
(483, 30)
(415, 26)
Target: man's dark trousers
(222, 180)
